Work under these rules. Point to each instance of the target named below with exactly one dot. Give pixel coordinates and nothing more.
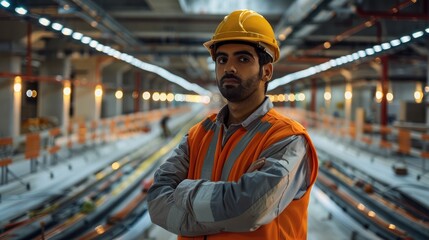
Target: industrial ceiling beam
(98, 18)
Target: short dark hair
(263, 56)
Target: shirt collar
(259, 112)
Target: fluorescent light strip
(93, 43)
(405, 39)
(56, 26)
(85, 40)
(5, 4)
(21, 10)
(417, 34)
(369, 51)
(44, 21)
(385, 46)
(132, 60)
(100, 47)
(66, 31)
(342, 60)
(77, 36)
(395, 42)
(377, 48)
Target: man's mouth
(230, 81)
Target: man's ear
(267, 72)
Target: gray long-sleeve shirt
(200, 207)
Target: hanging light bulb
(378, 93)
(389, 95)
(119, 94)
(66, 88)
(348, 93)
(17, 86)
(98, 91)
(418, 94)
(327, 95)
(146, 95)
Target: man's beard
(240, 92)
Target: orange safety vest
(292, 222)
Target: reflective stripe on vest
(241, 145)
(207, 168)
(206, 171)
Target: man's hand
(256, 165)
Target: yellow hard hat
(249, 26)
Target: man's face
(237, 72)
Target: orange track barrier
(404, 141)
(384, 131)
(77, 133)
(32, 149)
(367, 130)
(53, 148)
(352, 130)
(6, 153)
(94, 132)
(81, 134)
(70, 130)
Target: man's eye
(221, 60)
(244, 59)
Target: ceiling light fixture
(5, 4)
(21, 10)
(44, 21)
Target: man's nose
(230, 67)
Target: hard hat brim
(274, 54)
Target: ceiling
(170, 33)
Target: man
(245, 173)
(164, 126)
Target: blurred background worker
(164, 126)
(246, 172)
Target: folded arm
(200, 207)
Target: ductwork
(92, 13)
(292, 25)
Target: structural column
(175, 90)
(113, 77)
(129, 94)
(10, 106)
(118, 106)
(51, 101)
(86, 105)
(137, 90)
(348, 102)
(164, 89)
(384, 88)
(426, 98)
(313, 95)
(292, 91)
(146, 87)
